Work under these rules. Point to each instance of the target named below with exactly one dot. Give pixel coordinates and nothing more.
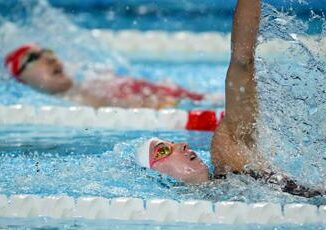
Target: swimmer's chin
(63, 86)
(198, 179)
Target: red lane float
(204, 120)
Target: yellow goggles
(162, 151)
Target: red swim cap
(13, 60)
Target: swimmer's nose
(182, 146)
(58, 62)
(52, 60)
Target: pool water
(46, 160)
(167, 15)
(48, 223)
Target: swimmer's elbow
(243, 63)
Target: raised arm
(233, 144)
(244, 34)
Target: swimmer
(179, 161)
(41, 69)
(173, 159)
(233, 148)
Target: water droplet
(313, 110)
(306, 140)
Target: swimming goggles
(161, 152)
(32, 57)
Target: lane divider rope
(160, 210)
(186, 45)
(111, 118)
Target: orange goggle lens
(162, 152)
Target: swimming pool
(48, 160)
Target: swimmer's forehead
(159, 142)
(35, 49)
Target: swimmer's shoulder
(228, 155)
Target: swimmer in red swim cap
(41, 69)
(234, 146)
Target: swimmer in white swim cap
(174, 159)
(179, 161)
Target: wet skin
(234, 142)
(181, 163)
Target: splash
(292, 96)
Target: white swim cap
(142, 154)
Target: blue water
(48, 223)
(172, 15)
(49, 160)
(167, 15)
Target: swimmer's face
(177, 160)
(44, 71)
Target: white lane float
(158, 210)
